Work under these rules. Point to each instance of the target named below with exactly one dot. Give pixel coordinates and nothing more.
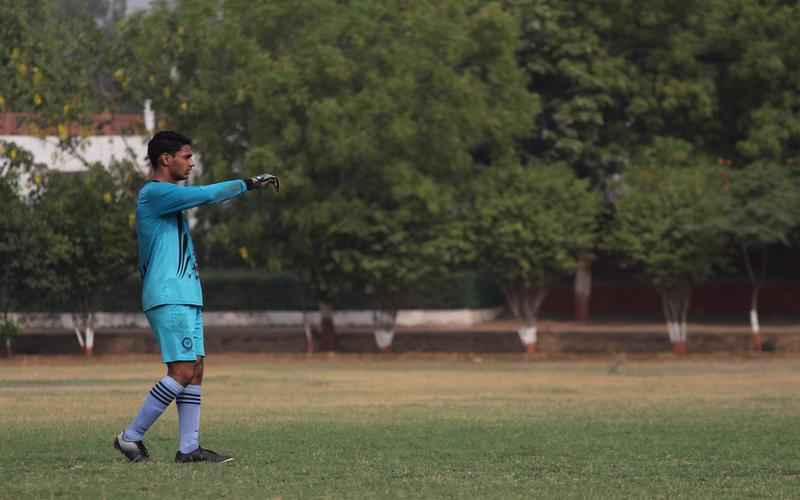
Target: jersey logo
(187, 343)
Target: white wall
(103, 149)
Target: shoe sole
(140, 458)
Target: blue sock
(161, 395)
(189, 418)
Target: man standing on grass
(172, 296)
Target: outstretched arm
(169, 198)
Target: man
(172, 297)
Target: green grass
(402, 428)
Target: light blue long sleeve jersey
(166, 255)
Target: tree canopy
(386, 120)
(373, 114)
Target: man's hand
(263, 180)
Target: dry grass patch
(71, 388)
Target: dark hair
(165, 141)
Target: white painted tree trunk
(89, 334)
(83, 325)
(77, 326)
(756, 343)
(525, 303)
(309, 331)
(754, 321)
(756, 286)
(384, 322)
(677, 331)
(527, 335)
(675, 303)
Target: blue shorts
(179, 331)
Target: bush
(9, 329)
(248, 291)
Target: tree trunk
(384, 322)
(755, 283)
(675, 303)
(528, 336)
(757, 340)
(583, 287)
(83, 325)
(327, 336)
(309, 331)
(77, 326)
(525, 302)
(90, 322)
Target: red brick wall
(102, 124)
(724, 298)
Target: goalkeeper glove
(261, 181)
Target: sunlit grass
(383, 427)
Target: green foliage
(28, 248)
(717, 74)
(672, 82)
(93, 212)
(530, 223)
(18, 167)
(248, 290)
(582, 85)
(371, 114)
(671, 223)
(52, 66)
(9, 329)
(755, 46)
(767, 204)
(378, 115)
(766, 210)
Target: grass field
(398, 427)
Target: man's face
(180, 164)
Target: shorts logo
(186, 343)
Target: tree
(27, 248)
(529, 226)
(371, 112)
(766, 209)
(754, 46)
(20, 252)
(583, 86)
(671, 80)
(671, 225)
(50, 67)
(93, 212)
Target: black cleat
(201, 455)
(134, 451)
